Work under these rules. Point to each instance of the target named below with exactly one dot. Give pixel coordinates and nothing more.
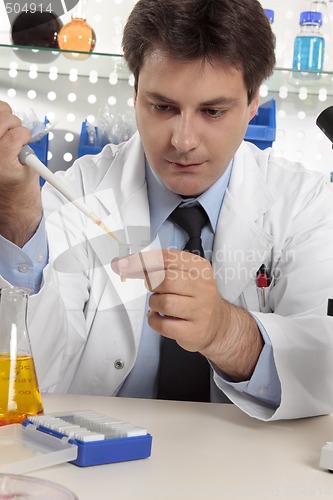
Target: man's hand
(20, 201)
(186, 305)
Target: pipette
(28, 157)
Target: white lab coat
(85, 324)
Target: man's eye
(161, 107)
(214, 113)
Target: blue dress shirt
(24, 266)
(142, 381)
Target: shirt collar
(162, 201)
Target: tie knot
(191, 219)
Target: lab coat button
(119, 364)
(262, 391)
(23, 268)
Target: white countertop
(201, 451)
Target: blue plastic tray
(261, 130)
(104, 451)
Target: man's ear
(253, 106)
(135, 97)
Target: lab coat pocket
(257, 299)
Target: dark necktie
(184, 375)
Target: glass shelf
(293, 82)
(108, 64)
(63, 61)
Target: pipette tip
(98, 221)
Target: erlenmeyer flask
(19, 391)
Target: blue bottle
(309, 46)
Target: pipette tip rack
(99, 438)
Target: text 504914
(31, 7)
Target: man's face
(192, 117)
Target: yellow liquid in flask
(19, 391)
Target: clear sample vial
(309, 45)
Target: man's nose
(185, 136)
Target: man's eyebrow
(224, 101)
(218, 101)
(159, 97)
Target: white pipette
(28, 157)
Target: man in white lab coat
(270, 347)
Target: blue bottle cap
(311, 17)
(270, 15)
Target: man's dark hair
(233, 31)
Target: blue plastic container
(261, 130)
(95, 452)
(85, 147)
(41, 149)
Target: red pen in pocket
(262, 282)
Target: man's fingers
(149, 266)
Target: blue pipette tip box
(34, 444)
(104, 451)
